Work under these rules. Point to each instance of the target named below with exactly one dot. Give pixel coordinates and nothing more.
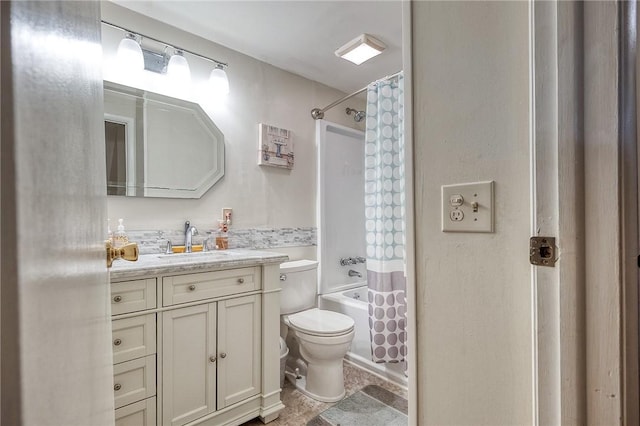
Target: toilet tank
(299, 282)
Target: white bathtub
(354, 303)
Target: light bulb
(178, 68)
(219, 82)
(130, 54)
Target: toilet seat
(318, 322)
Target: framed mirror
(159, 146)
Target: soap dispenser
(120, 237)
(222, 241)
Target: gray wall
(259, 93)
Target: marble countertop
(156, 264)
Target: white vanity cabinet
(189, 367)
(211, 357)
(205, 351)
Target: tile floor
(300, 408)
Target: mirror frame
(142, 191)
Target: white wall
(471, 111)
(260, 196)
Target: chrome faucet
(189, 232)
(353, 273)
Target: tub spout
(353, 273)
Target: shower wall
(340, 205)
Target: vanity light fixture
(218, 81)
(361, 49)
(175, 66)
(129, 53)
(178, 67)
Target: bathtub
(353, 302)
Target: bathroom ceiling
(298, 36)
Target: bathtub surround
(341, 222)
(385, 219)
(341, 164)
(155, 241)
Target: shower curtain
(384, 210)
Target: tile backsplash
(155, 241)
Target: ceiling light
(178, 67)
(130, 53)
(219, 81)
(360, 49)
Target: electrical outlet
(467, 207)
(226, 215)
(456, 215)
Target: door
(239, 349)
(189, 363)
(56, 352)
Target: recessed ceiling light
(360, 49)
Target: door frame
(585, 192)
(630, 178)
(411, 291)
(557, 194)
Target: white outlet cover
(475, 192)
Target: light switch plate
(467, 207)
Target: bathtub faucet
(353, 273)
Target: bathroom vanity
(195, 338)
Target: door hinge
(542, 251)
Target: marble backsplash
(155, 241)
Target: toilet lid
(320, 322)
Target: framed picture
(275, 147)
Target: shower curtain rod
(318, 114)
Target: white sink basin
(196, 255)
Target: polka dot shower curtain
(385, 213)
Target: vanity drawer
(192, 287)
(133, 337)
(141, 413)
(134, 380)
(132, 296)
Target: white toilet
(323, 337)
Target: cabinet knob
(192, 287)
(117, 387)
(241, 280)
(117, 342)
(117, 299)
(223, 355)
(212, 358)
